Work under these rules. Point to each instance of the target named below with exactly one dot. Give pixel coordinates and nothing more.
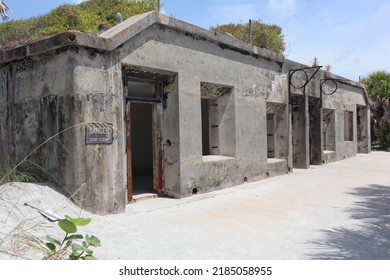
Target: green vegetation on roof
(84, 17)
(267, 36)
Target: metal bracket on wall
(308, 75)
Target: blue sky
(350, 35)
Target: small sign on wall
(99, 133)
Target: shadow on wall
(371, 241)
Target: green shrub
(84, 17)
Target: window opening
(143, 90)
(218, 132)
(270, 135)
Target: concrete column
(300, 135)
(315, 134)
(363, 129)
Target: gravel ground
(335, 211)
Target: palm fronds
(3, 10)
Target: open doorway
(143, 136)
(142, 147)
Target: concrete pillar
(315, 134)
(300, 135)
(363, 129)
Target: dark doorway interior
(142, 147)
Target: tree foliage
(84, 17)
(264, 35)
(378, 86)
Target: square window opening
(217, 117)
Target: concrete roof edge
(329, 75)
(122, 32)
(69, 38)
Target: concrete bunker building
(158, 103)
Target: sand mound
(22, 227)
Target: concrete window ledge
(327, 152)
(275, 160)
(211, 158)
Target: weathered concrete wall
(198, 61)
(101, 168)
(54, 95)
(347, 97)
(363, 129)
(29, 103)
(307, 106)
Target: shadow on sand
(371, 240)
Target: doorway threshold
(143, 196)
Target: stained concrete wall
(307, 105)
(54, 95)
(348, 96)
(198, 61)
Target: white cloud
(282, 7)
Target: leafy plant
(74, 246)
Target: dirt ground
(335, 211)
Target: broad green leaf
(94, 241)
(67, 226)
(87, 239)
(52, 240)
(74, 256)
(90, 258)
(88, 251)
(77, 247)
(81, 222)
(74, 237)
(51, 246)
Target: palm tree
(378, 86)
(3, 10)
